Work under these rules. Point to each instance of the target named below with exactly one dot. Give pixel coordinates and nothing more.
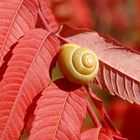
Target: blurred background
(121, 20)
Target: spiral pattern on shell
(78, 65)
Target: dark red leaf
(131, 122)
(17, 17)
(119, 66)
(59, 113)
(26, 76)
(67, 31)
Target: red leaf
(119, 66)
(47, 13)
(91, 134)
(99, 134)
(105, 134)
(59, 113)
(17, 17)
(26, 76)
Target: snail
(78, 65)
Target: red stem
(93, 115)
(44, 21)
(62, 38)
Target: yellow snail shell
(78, 65)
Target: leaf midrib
(11, 24)
(62, 110)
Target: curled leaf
(119, 66)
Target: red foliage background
(28, 69)
(121, 19)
